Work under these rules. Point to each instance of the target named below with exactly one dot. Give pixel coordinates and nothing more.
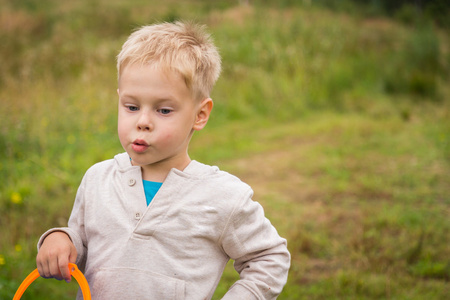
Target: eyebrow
(156, 99)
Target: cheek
(122, 130)
(171, 139)
(166, 138)
(175, 137)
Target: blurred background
(335, 112)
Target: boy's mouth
(139, 146)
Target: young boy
(152, 223)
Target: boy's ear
(203, 112)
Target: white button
(131, 182)
(137, 216)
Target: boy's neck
(158, 172)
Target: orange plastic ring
(74, 271)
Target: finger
(73, 255)
(53, 267)
(63, 265)
(40, 268)
(43, 268)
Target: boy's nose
(144, 122)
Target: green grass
(340, 123)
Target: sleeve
(75, 229)
(261, 255)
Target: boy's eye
(132, 108)
(164, 111)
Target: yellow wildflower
(18, 248)
(2, 260)
(16, 198)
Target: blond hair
(182, 47)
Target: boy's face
(157, 116)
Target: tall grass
(340, 123)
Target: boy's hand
(54, 256)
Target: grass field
(340, 123)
